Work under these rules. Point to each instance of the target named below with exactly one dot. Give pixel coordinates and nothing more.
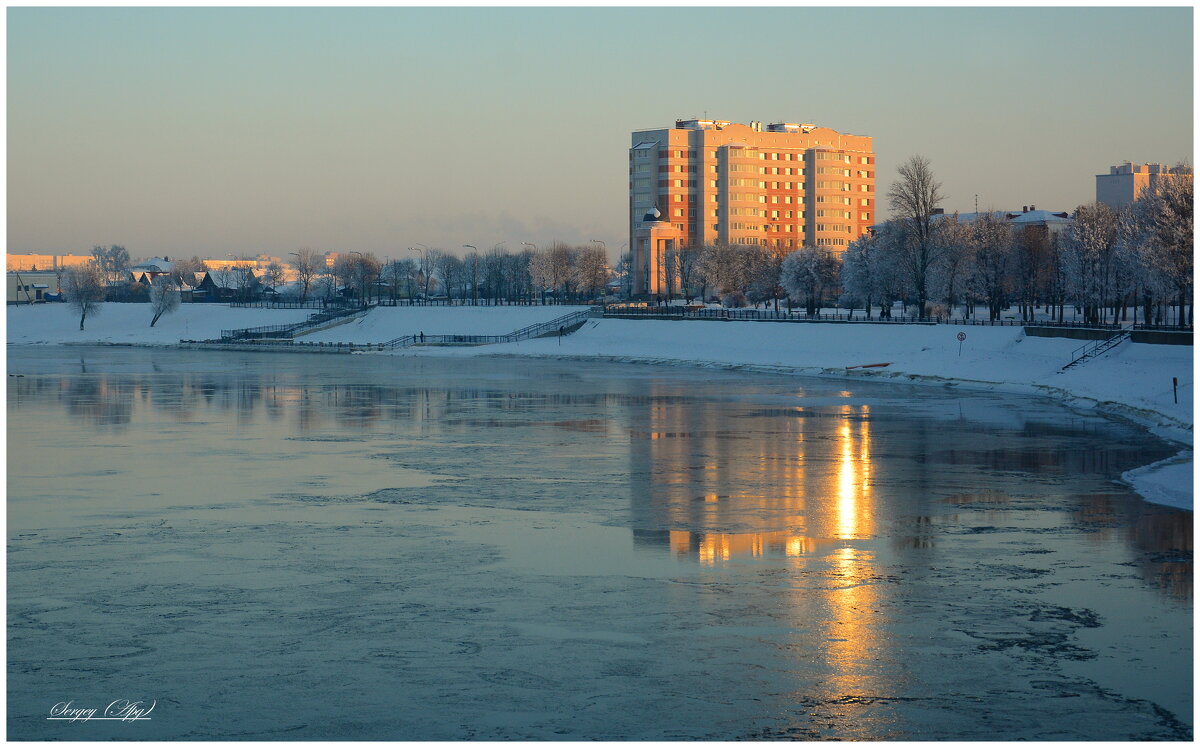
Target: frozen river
(298, 547)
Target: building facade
(782, 185)
(1124, 184)
(34, 261)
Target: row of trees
(497, 276)
(1107, 265)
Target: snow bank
(130, 323)
(386, 323)
(1168, 482)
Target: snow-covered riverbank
(1134, 380)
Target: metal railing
(563, 324)
(292, 329)
(679, 312)
(1096, 347)
(281, 304)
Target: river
(284, 546)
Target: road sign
(962, 336)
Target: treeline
(1103, 265)
(560, 273)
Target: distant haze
(219, 131)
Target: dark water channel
(300, 547)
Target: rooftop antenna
(976, 202)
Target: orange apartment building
(783, 186)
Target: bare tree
(687, 264)
(359, 272)
(913, 199)
(273, 276)
(551, 269)
(397, 274)
(84, 288)
(623, 273)
(164, 296)
(185, 271)
(308, 265)
(448, 269)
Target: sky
(218, 131)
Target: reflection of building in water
(713, 547)
(725, 471)
(1161, 538)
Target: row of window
(831, 242)
(834, 227)
(738, 152)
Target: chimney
(1033, 207)
(1024, 208)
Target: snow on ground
(130, 323)
(385, 323)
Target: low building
(228, 285)
(32, 287)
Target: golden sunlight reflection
(852, 645)
(854, 512)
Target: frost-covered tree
(725, 267)
(84, 289)
(164, 297)
(807, 274)
(591, 270)
(762, 275)
(990, 278)
(913, 197)
(950, 275)
(1091, 257)
(1165, 217)
(870, 273)
(113, 262)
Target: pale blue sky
(213, 131)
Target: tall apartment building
(1124, 184)
(783, 186)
